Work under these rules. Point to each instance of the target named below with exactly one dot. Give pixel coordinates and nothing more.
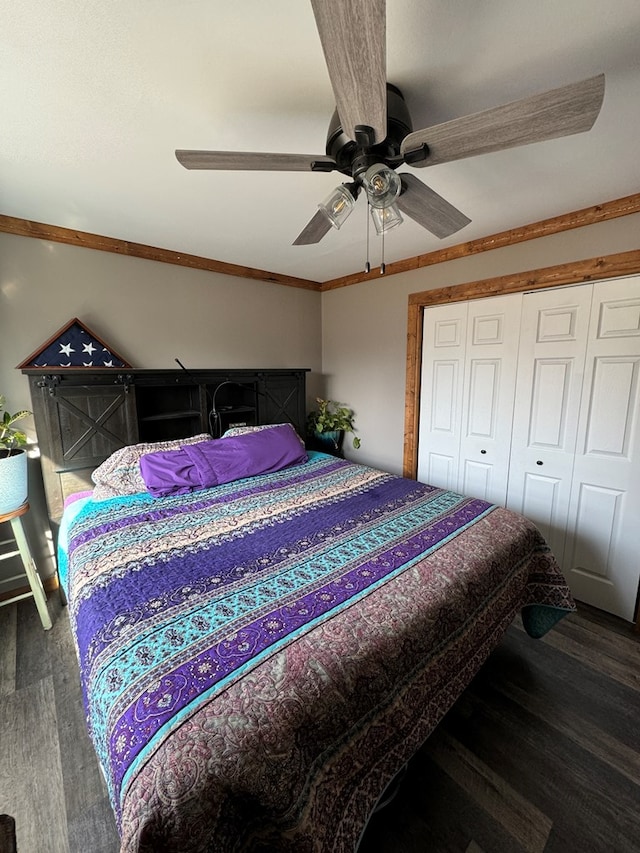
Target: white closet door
(550, 374)
(444, 345)
(602, 557)
(468, 380)
(493, 329)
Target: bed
(260, 657)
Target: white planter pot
(14, 486)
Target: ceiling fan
(370, 134)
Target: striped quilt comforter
(260, 658)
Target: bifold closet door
(537, 397)
(602, 554)
(444, 343)
(493, 327)
(468, 381)
(553, 339)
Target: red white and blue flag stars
(76, 347)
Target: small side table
(37, 590)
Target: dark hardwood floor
(541, 753)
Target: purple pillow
(211, 463)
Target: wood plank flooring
(49, 776)
(541, 754)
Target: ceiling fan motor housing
(352, 158)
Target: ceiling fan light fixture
(382, 185)
(338, 205)
(386, 218)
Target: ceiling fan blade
(353, 37)
(314, 230)
(254, 160)
(429, 209)
(559, 112)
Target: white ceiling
(96, 96)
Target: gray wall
(150, 313)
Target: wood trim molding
(593, 269)
(576, 219)
(57, 234)
(567, 221)
(412, 390)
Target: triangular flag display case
(74, 345)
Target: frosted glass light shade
(338, 205)
(386, 218)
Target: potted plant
(13, 461)
(327, 425)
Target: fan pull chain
(367, 266)
(382, 264)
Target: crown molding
(86, 240)
(567, 221)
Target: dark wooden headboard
(82, 414)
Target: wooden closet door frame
(593, 269)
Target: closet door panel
(603, 548)
(444, 337)
(477, 480)
(551, 358)
(540, 501)
(490, 374)
(551, 395)
(439, 470)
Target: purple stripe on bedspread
(220, 563)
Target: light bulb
(338, 205)
(382, 185)
(386, 218)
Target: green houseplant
(13, 460)
(329, 422)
